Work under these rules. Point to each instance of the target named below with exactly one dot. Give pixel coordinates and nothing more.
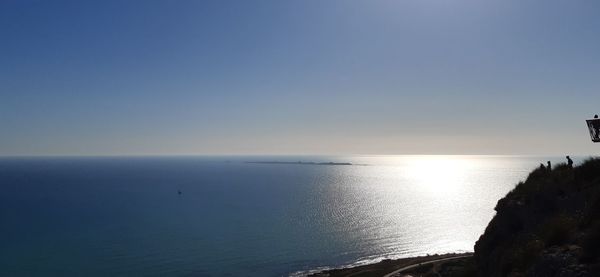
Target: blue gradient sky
(298, 77)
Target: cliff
(548, 225)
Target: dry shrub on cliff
(557, 230)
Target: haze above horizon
(298, 77)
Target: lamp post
(594, 128)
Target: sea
(243, 215)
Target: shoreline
(388, 266)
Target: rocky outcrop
(548, 225)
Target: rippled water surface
(124, 216)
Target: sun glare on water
(439, 173)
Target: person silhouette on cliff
(549, 167)
(569, 162)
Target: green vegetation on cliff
(548, 225)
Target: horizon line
(278, 155)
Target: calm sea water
(124, 216)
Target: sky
(298, 77)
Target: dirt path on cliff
(398, 272)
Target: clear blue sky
(298, 77)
